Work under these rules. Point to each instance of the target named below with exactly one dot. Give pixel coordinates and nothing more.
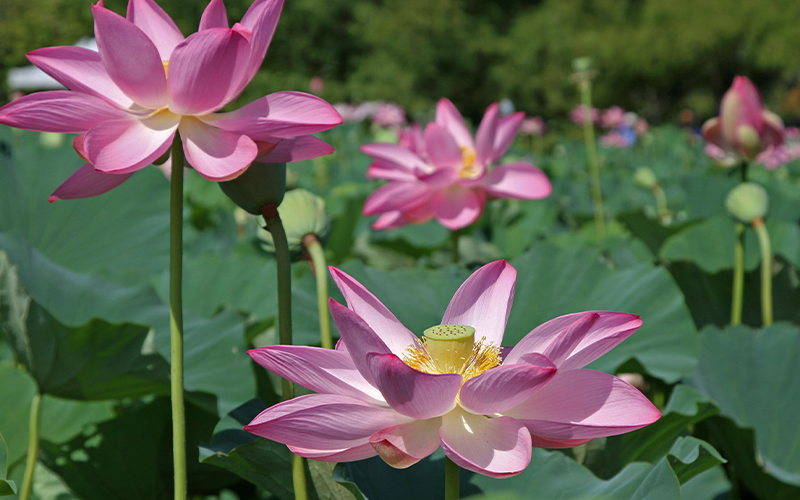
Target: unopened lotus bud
(302, 213)
(582, 64)
(747, 202)
(259, 185)
(645, 178)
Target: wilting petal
(442, 148)
(261, 19)
(457, 207)
(520, 180)
(495, 447)
(484, 301)
(86, 182)
(357, 452)
(505, 386)
(205, 70)
(410, 392)
(394, 154)
(214, 16)
(362, 302)
(359, 338)
(81, 70)
(773, 133)
(122, 146)
(131, 59)
(606, 333)
(156, 24)
(323, 422)
(585, 404)
(297, 149)
(406, 444)
(59, 111)
(448, 117)
(324, 371)
(712, 132)
(216, 154)
(507, 128)
(279, 115)
(485, 136)
(396, 195)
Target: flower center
(452, 349)
(468, 170)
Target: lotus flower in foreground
(147, 82)
(450, 176)
(383, 391)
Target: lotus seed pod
(259, 185)
(747, 202)
(645, 178)
(302, 213)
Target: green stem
(766, 270)
(661, 201)
(314, 249)
(591, 153)
(454, 245)
(738, 275)
(176, 318)
(299, 477)
(33, 447)
(450, 480)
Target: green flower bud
(747, 202)
(645, 178)
(259, 185)
(582, 64)
(302, 213)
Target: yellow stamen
(468, 170)
(165, 63)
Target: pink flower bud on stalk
(744, 128)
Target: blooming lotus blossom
(389, 115)
(613, 117)
(453, 178)
(578, 114)
(147, 82)
(744, 128)
(385, 392)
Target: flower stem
(661, 202)
(766, 271)
(585, 86)
(176, 318)
(314, 249)
(454, 245)
(33, 447)
(299, 477)
(738, 276)
(450, 480)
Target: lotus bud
(261, 184)
(302, 213)
(645, 178)
(747, 202)
(582, 64)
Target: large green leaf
(752, 376)
(7, 487)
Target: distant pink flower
(614, 139)
(772, 158)
(389, 115)
(744, 128)
(533, 126)
(384, 392)
(147, 82)
(578, 114)
(719, 157)
(452, 183)
(792, 134)
(641, 126)
(317, 85)
(613, 117)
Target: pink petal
(484, 301)
(214, 16)
(123, 146)
(585, 404)
(216, 154)
(773, 133)
(545, 442)
(156, 24)
(279, 115)
(324, 371)
(86, 182)
(390, 220)
(59, 111)
(495, 447)
(507, 128)
(606, 333)
(81, 70)
(323, 422)
(410, 392)
(442, 148)
(131, 59)
(485, 136)
(457, 207)
(297, 149)
(519, 180)
(205, 70)
(406, 444)
(380, 169)
(396, 337)
(261, 19)
(566, 342)
(505, 386)
(394, 154)
(396, 195)
(359, 338)
(448, 117)
(357, 452)
(712, 132)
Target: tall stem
(591, 154)
(766, 271)
(738, 275)
(176, 319)
(314, 249)
(454, 245)
(33, 447)
(283, 261)
(450, 480)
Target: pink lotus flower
(385, 392)
(578, 114)
(772, 158)
(146, 83)
(453, 181)
(612, 117)
(533, 126)
(389, 115)
(744, 128)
